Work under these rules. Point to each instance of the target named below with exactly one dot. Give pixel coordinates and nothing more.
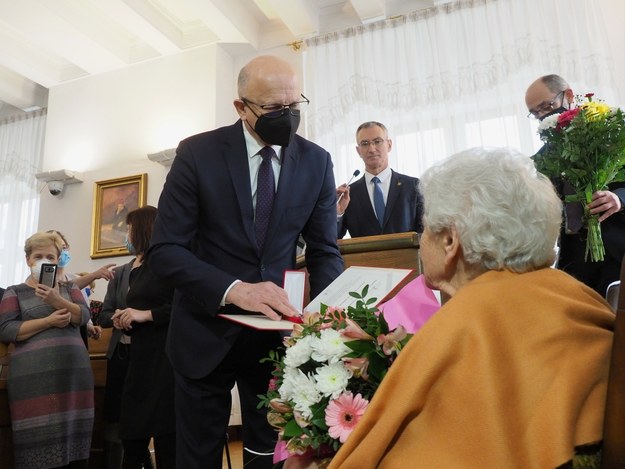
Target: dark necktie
(378, 200)
(265, 191)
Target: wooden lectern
(398, 250)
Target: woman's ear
(451, 244)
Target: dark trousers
(80, 464)
(597, 275)
(137, 453)
(203, 406)
(116, 369)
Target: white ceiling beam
(131, 20)
(20, 92)
(228, 20)
(299, 16)
(369, 10)
(50, 32)
(184, 33)
(158, 20)
(47, 69)
(266, 8)
(95, 23)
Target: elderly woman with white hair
(512, 371)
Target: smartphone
(48, 275)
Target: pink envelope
(411, 307)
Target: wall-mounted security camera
(55, 187)
(56, 180)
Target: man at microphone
(383, 201)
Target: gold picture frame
(112, 200)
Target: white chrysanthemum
(299, 353)
(301, 390)
(289, 377)
(329, 346)
(548, 122)
(332, 379)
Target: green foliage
(585, 147)
(366, 347)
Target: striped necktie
(265, 191)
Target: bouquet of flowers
(584, 146)
(333, 364)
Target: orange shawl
(511, 372)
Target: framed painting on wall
(112, 200)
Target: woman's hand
(49, 295)
(60, 318)
(105, 272)
(123, 318)
(94, 331)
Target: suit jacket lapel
(393, 194)
(235, 155)
(360, 194)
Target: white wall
(613, 13)
(104, 127)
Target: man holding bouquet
(548, 95)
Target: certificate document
(381, 281)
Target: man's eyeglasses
(546, 106)
(273, 111)
(376, 142)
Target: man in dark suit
(215, 243)
(548, 95)
(399, 204)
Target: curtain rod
(393, 21)
(20, 117)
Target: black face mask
(559, 110)
(279, 130)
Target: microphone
(356, 173)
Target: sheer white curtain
(450, 77)
(21, 155)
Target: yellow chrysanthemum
(595, 111)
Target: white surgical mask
(35, 269)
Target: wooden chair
(614, 425)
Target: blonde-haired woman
(50, 384)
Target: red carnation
(566, 117)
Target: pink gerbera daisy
(343, 413)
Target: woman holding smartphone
(50, 383)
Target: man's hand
(606, 203)
(342, 195)
(265, 297)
